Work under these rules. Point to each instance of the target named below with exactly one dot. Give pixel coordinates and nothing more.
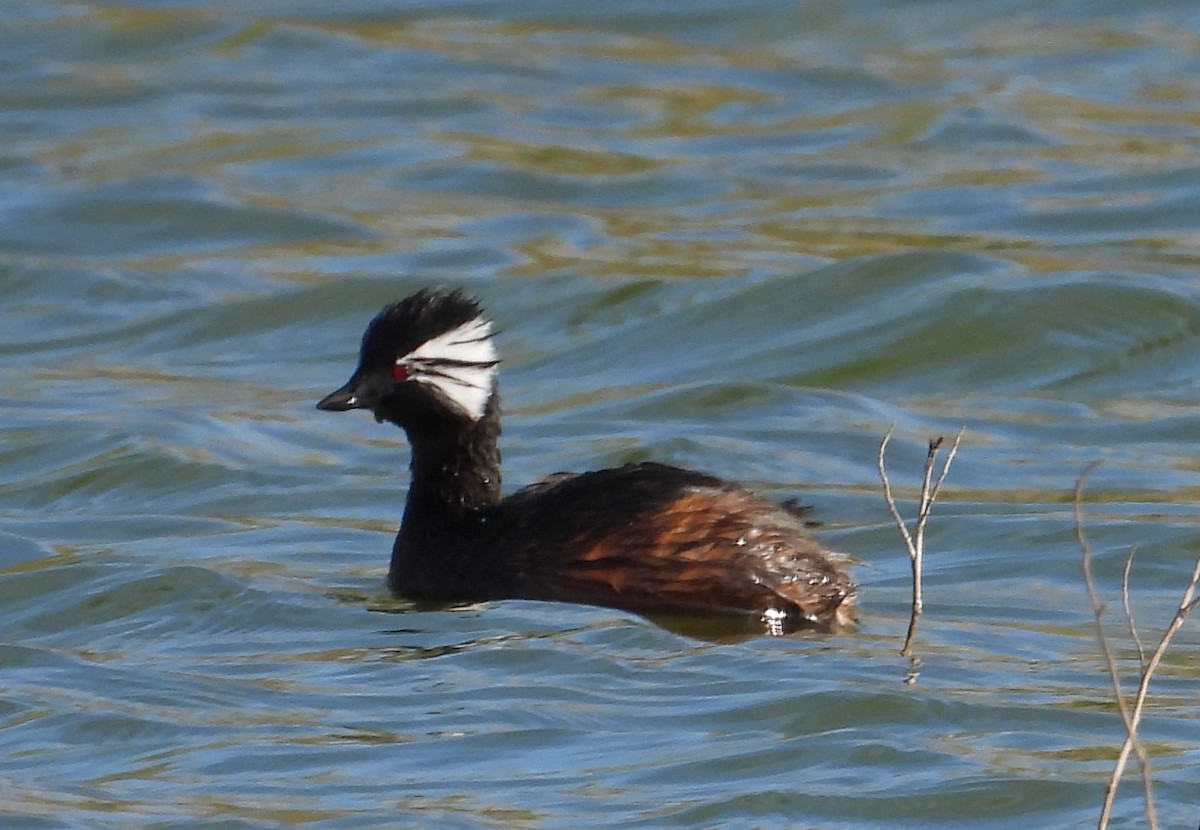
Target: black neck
(455, 473)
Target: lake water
(743, 237)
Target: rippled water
(741, 237)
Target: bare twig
(887, 493)
(1114, 675)
(1131, 717)
(915, 541)
(1133, 632)
(1186, 606)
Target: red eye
(400, 371)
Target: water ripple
(743, 239)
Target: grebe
(646, 537)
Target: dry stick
(1140, 751)
(1133, 632)
(1114, 675)
(915, 542)
(1132, 718)
(1186, 606)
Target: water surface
(741, 237)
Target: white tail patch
(461, 363)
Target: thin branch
(1133, 632)
(946, 467)
(915, 542)
(1098, 607)
(1186, 606)
(1130, 719)
(887, 494)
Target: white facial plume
(461, 363)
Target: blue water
(745, 238)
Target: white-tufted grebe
(643, 537)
